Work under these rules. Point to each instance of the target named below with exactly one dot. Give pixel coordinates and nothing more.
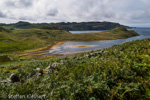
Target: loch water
(68, 47)
(78, 47)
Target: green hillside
(25, 39)
(69, 26)
(121, 72)
(117, 33)
(72, 26)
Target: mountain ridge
(69, 26)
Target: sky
(127, 12)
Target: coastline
(49, 47)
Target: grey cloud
(25, 18)
(19, 3)
(52, 12)
(27, 2)
(124, 11)
(2, 15)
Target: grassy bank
(24, 39)
(117, 33)
(119, 72)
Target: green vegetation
(24, 39)
(87, 25)
(5, 58)
(119, 72)
(66, 26)
(4, 30)
(50, 27)
(117, 33)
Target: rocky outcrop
(40, 71)
(62, 62)
(52, 67)
(12, 79)
(95, 54)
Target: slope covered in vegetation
(23, 39)
(117, 33)
(119, 72)
(70, 26)
(87, 25)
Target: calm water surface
(69, 47)
(91, 31)
(96, 45)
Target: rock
(62, 62)
(40, 71)
(104, 51)
(14, 78)
(5, 81)
(52, 67)
(40, 74)
(91, 55)
(88, 56)
(49, 69)
(98, 53)
(80, 58)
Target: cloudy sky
(128, 12)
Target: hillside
(119, 72)
(24, 39)
(117, 33)
(69, 26)
(74, 26)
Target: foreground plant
(119, 72)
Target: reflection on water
(75, 47)
(91, 31)
(82, 46)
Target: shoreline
(49, 47)
(61, 42)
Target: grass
(24, 39)
(119, 72)
(5, 58)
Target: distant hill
(87, 25)
(4, 30)
(69, 26)
(48, 27)
(22, 39)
